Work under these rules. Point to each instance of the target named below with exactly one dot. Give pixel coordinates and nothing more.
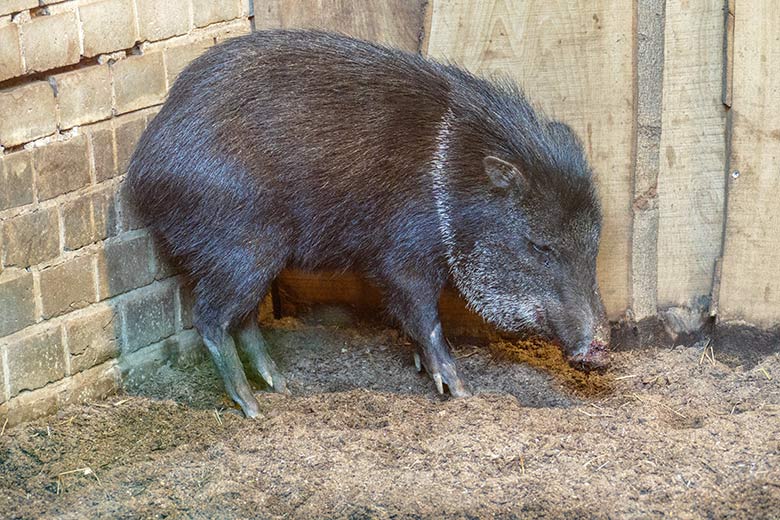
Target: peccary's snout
(592, 353)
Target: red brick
(27, 112)
(68, 286)
(61, 167)
(108, 26)
(35, 360)
(31, 238)
(50, 41)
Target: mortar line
(6, 373)
(37, 295)
(65, 349)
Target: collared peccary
(316, 150)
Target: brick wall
(84, 296)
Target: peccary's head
(524, 255)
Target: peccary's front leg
(439, 363)
(413, 301)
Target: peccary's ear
(502, 173)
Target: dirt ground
(665, 433)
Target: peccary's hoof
(250, 407)
(443, 372)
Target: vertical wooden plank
(575, 59)
(750, 285)
(395, 22)
(693, 151)
(648, 79)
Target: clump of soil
(670, 432)
(546, 356)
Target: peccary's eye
(540, 248)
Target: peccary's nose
(594, 356)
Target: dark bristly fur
(315, 150)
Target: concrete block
(128, 130)
(27, 112)
(129, 219)
(10, 52)
(68, 286)
(61, 167)
(206, 12)
(103, 154)
(35, 360)
(186, 302)
(15, 6)
(108, 26)
(89, 218)
(92, 338)
(148, 316)
(16, 180)
(31, 238)
(93, 384)
(17, 301)
(139, 82)
(84, 95)
(30, 405)
(176, 58)
(161, 19)
(51, 41)
(124, 265)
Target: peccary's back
(308, 135)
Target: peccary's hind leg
(413, 300)
(251, 342)
(223, 351)
(224, 298)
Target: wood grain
(693, 151)
(301, 289)
(575, 59)
(750, 285)
(396, 22)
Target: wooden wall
(750, 287)
(710, 232)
